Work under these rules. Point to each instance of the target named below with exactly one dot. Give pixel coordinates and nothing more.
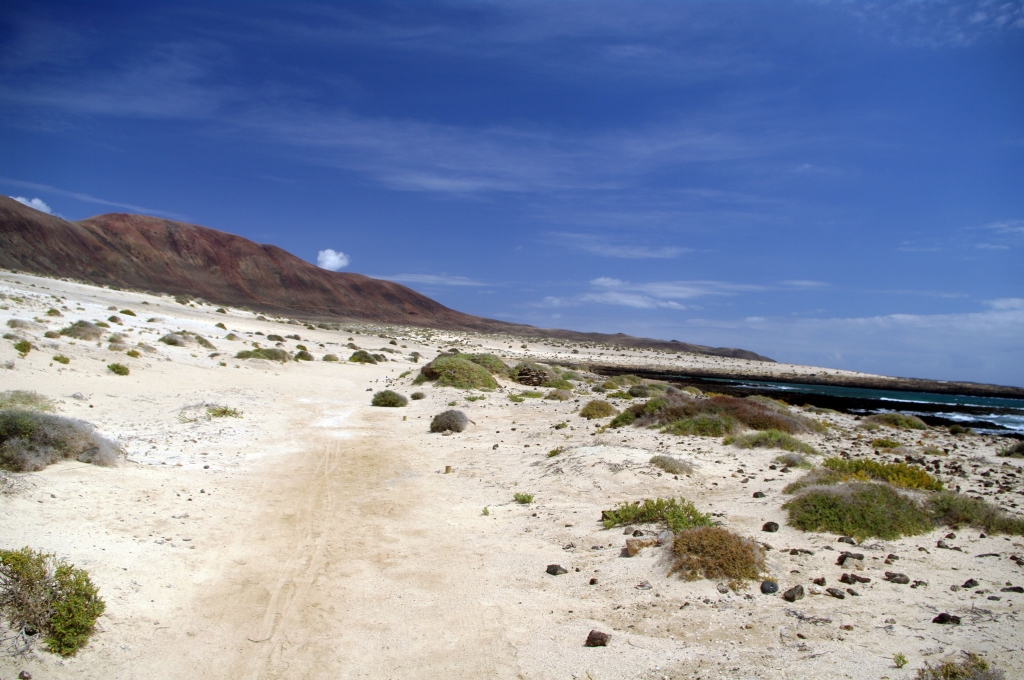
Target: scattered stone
(793, 594)
(644, 585)
(836, 593)
(593, 581)
(24, 675)
(820, 581)
(598, 639)
(845, 557)
(568, 546)
(951, 536)
(851, 579)
(1012, 589)
(970, 583)
(638, 533)
(954, 588)
(556, 569)
(628, 530)
(666, 537)
(722, 588)
(634, 545)
(988, 555)
(770, 527)
(853, 592)
(847, 539)
(995, 598)
(896, 577)
(759, 494)
(769, 587)
(918, 584)
(945, 618)
(943, 545)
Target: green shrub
(621, 381)
(716, 553)
(771, 439)
(53, 312)
(517, 398)
(361, 356)
(776, 405)
(388, 398)
(61, 359)
(559, 395)
(858, 509)
(133, 353)
(203, 342)
(449, 421)
(493, 364)
(118, 369)
(671, 465)
(275, 338)
(639, 391)
(127, 312)
(330, 357)
(23, 347)
(557, 384)
(837, 470)
(114, 319)
(416, 396)
(303, 355)
(474, 397)
(702, 426)
(884, 444)
(597, 409)
(793, 460)
(623, 419)
(523, 498)
(455, 371)
(102, 324)
(598, 389)
(619, 395)
(31, 440)
(971, 668)
(174, 340)
(955, 510)
(268, 353)
(216, 411)
(900, 421)
(957, 428)
(678, 515)
(1013, 451)
(25, 399)
(41, 593)
(555, 451)
(231, 336)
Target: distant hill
(164, 256)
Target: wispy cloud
(89, 199)
(606, 247)
(433, 280)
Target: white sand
(317, 536)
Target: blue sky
(836, 183)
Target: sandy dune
(317, 536)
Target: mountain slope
(154, 254)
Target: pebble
(845, 557)
(769, 587)
(850, 579)
(896, 577)
(770, 527)
(666, 537)
(722, 588)
(24, 675)
(947, 618)
(836, 593)
(556, 569)
(847, 539)
(598, 639)
(820, 581)
(970, 583)
(634, 545)
(759, 494)
(853, 592)
(793, 594)
(1012, 589)
(644, 585)
(593, 581)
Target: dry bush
(597, 408)
(388, 398)
(671, 465)
(30, 440)
(717, 416)
(559, 395)
(174, 340)
(330, 357)
(971, 668)
(793, 460)
(677, 514)
(900, 421)
(26, 399)
(42, 595)
(268, 353)
(955, 510)
(449, 421)
(24, 325)
(82, 330)
(771, 439)
(416, 396)
(716, 553)
(1013, 451)
(837, 470)
(858, 509)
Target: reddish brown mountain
(153, 254)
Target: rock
(943, 545)
(759, 494)
(598, 639)
(954, 588)
(951, 536)
(820, 581)
(994, 598)
(556, 569)
(847, 539)
(793, 594)
(722, 588)
(628, 531)
(845, 557)
(836, 593)
(851, 579)
(644, 585)
(638, 533)
(666, 537)
(24, 675)
(769, 587)
(947, 618)
(633, 545)
(1012, 589)
(896, 577)
(853, 592)
(770, 527)
(593, 581)
(919, 584)
(970, 583)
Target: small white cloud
(1006, 303)
(331, 260)
(36, 203)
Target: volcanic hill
(164, 256)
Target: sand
(317, 536)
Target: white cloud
(433, 280)
(598, 245)
(36, 203)
(331, 260)
(90, 199)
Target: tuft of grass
(174, 340)
(389, 398)
(449, 370)
(555, 451)
(597, 408)
(486, 512)
(31, 440)
(361, 356)
(703, 426)
(493, 364)
(23, 347)
(884, 444)
(272, 337)
(127, 312)
(1013, 451)
(231, 336)
(26, 399)
(971, 668)
(642, 391)
(39, 592)
(268, 353)
(899, 659)
(416, 396)
(330, 357)
(557, 383)
(449, 421)
(899, 421)
(303, 355)
(523, 498)
(717, 553)
(403, 374)
(793, 460)
(858, 509)
(53, 312)
(623, 419)
(217, 411)
(677, 514)
(957, 428)
(771, 439)
(61, 359)
(956, 510)
(671, 465)
(898, 474)
(558, 395)
(133, 353)
(118, 369)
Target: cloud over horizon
(331, 260)
(36, 203)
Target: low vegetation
(676, 514)
(523, 498)
(955, 510)
(43, 596)
(858, 509)
(971, 668)
(217, 411)
(671, 465)
(118, 369)
(267, 353)
(899, 421)
(838, 470)
(771, 439)
(883, 443)
(30, 440)
(558, 395)
(61, 359)
(452, 370)
(449, 421)
(1013, 451)
(717, 553)
(25, 399)
(23, 347)
(82, 330)
(416, 396)
(717, 416)
(793, 460)
(361, 356)
(389, 398)
(303, 355)
(330, 357)
(703, 426)
(597, 408)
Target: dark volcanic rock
(769, 587)
(770, 527)
(793, 594)
(759, 494)
(556, 570)
(598, 639)
(895, 577)
(836, 593)
(947, 618)
(970, 583)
